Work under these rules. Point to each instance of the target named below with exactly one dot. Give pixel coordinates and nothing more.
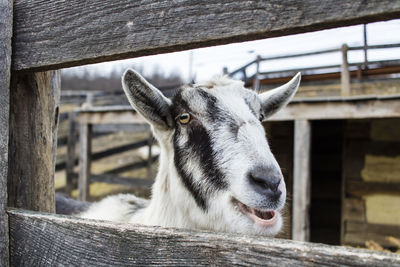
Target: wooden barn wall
(371, 187)
(280, 138)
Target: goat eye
(261, 117)
(184, 118)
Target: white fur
(172, 205)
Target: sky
(210, 61)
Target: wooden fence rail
(85, 158)
(43, 239)
(363, 64)
(106, 153)
(47, 35)
(118, 30)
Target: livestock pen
(39, 37)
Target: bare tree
(83, 80)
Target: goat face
(221, 156)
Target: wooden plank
(112, 179)
(6, 22)
(325, 51)
(353, 209)
(102, 154)
(393, 230)
(345, 109)
(112, 128)
(357, 233)
(51, 240)
(119, 149)
(66, 35)
(70, 161)
(360, 189)
(344, 73)
(85, 151)
(111, 117)
(301, 180)
(131, 166)
(33, 139)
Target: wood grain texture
(353, 209)
(344, 73)
(344, 109)
(111, 117)
(85, 160)
(357, 233)
(6, 19)
(71, 154)
(301, 180)
(33, 138)
(361, 189)
(113, 179)
(51, 240)
(58, 33)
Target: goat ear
(272, 101)
(147, 100)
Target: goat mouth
(264, 218)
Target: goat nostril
(260, 182)
(274, 185)
(265, 183)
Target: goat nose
(265, 180)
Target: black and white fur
(217, 171)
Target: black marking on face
(198, 146)
(234, 129)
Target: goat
(216, 169)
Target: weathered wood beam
(350, 108)
(344, 73)
(131, 166)
(361, 189)
(34, 100)
(112, 179)
(112, 128)
(71, 155)
(56, 34)
(111, 117)
(357, 233)
(301, 180)
(50, 240)
(72, 161)
(6, 22)
(85, 161)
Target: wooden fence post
(85, 152)
(6, 19)
(365, 47)
(34, 100)
(345, 74)
(70, 161)
(301, 180)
